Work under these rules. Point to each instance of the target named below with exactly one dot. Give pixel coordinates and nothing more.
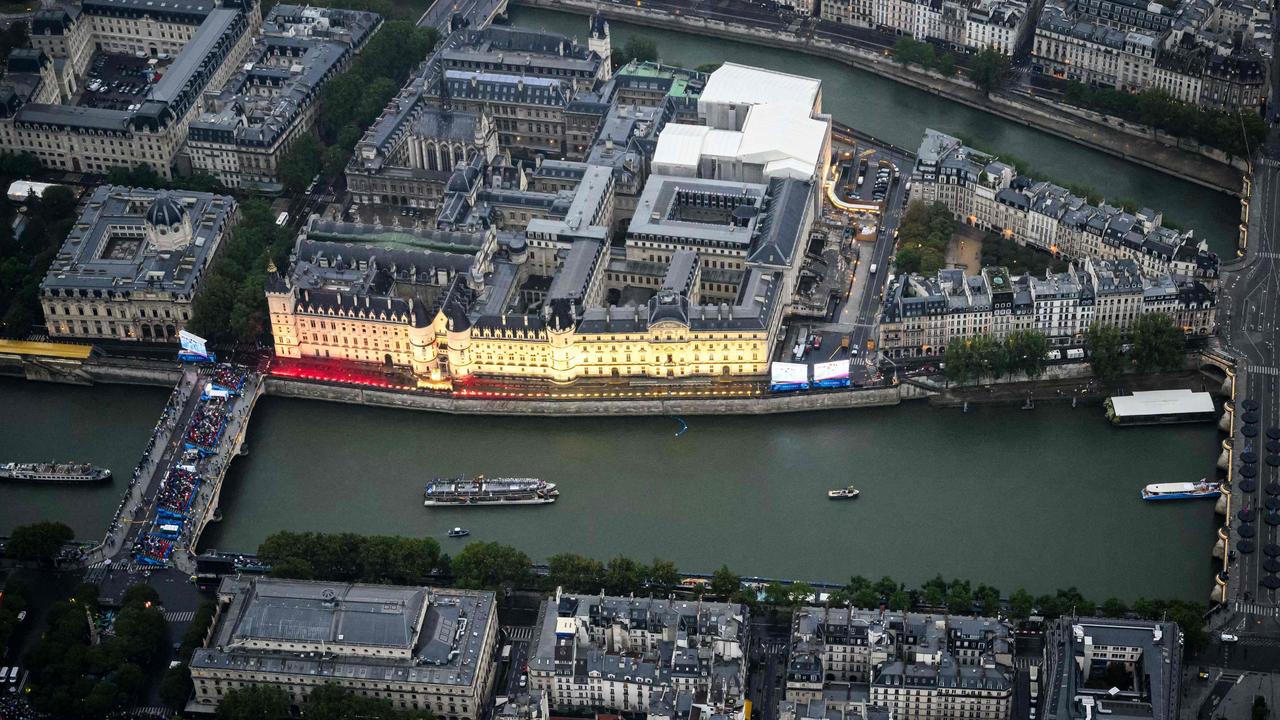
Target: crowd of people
(180, 487)
(168, 418)
(17, 708)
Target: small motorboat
(844, 493)
(459, 532)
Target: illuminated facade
(529, 280)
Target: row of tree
(349, 557)
(1154, 343)
(25, 256)
(74, 677)
(923, 236)
(231, 306)
(326, 702)
(987, 356)
(909, 51)
(38, 542)
(1236, 133)
(351, 101)
(499, 567)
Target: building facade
(912, 666)
(418, 648)
(133, 263)
(641, 655)
(37, 114)
(244, 128)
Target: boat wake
(684, 427)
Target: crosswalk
(518, 632)
(1262, 370)
(178, 617)
(149, 711)
(96, 572)
(1258, 609)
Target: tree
(1106, 351)
(1159, 345)
(492, 566)
(331, 702)
(302, 161)
(934, 592)
(1028, 351)
(641, 48)
(176, 687)
(724, 582)
(254, 702)
(801, 593)
(989, 598)
(39, 542)
(959, 598)
(663, 576)
(623, 576)
(988, 69)
(899, 601)
(1021, 604)
(1114, 608)
(708, 68)
(575, 573)
(777, 595)
(945, 64)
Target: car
(22, 615)
(1203, 674)
(1229, 638)
(815, 341)
(524, 680)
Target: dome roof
(165, 210)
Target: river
(899, 114)
(1041, 498)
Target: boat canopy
(1161, 402)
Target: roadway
(1250, 325)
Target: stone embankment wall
(798, 402)
(1203, 166)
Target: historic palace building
(133, 263)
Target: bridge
(176, 488)
(449, 15)
(1247, 588)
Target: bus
(506, 653)
(282, 218)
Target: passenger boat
(844, 493)
(489, 491)
(53, 472)
(459, 532)
(1182, 491)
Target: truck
(1075, 353)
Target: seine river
(899, 114)
(1042, 499)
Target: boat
(1182, 491)
(459, 532)
(844, 493)
(488, 491)
(53, 472)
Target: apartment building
(641, 655)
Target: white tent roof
(1161, 402)
(680, 145)
(741, 84)
(782, 372)
(722, 144)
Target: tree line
(231, 306)
(1235, 133)
(1153, 343)
(352, 100)
(499, 567)
(981, 356)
